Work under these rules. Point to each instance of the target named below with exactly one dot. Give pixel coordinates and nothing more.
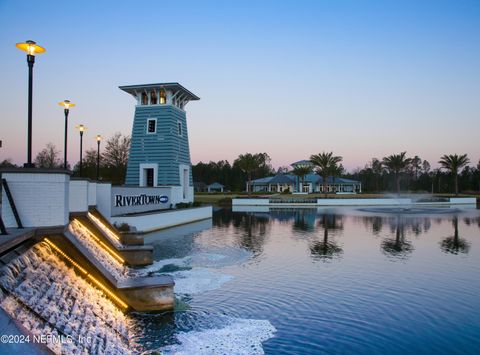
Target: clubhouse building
(311, 183)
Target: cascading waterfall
(48, 298)
(112, 264)
(102, 226)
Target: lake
(332, 281)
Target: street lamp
(31, 48)
(81, 128)
(66, 104)
(99, 139)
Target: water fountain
(48, 298)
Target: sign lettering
(139, 200)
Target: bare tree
(48, 157)
(116, 151)
(115, 157)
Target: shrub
(123, 227)
(182, 205)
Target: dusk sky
(360, 78)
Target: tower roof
(302, 162)
(175, 87)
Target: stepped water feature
(47, 297)
(105, 255)
(113, 237)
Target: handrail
(12, 203)
(3, 230)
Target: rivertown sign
(131, 199)
(139, 200)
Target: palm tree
(454, 163)
(249, 163)
(301, 171)
(396, 164)
(377, 170)
(325, 163)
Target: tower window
(180, 133)
(152, 125)
(153, 98)
(144, 98)
(163, 97)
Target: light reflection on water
(330, 281)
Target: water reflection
(411, 225)
(397, 247)
(455, 244)
(254, 228)
(304, 220)
(326, 249)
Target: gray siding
(165, 147)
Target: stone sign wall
(126, 200)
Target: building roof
(262, 181)
(309, 178)
(281, 179)
(175, 87)
(302, 162)
(216, 185)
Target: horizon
(362, 80)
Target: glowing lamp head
(81, 128)
(66, 104)
(30, 47)
(98, 138)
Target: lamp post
(31, 48)
(99, 139)
(81, 128)
(66, 104)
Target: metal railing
(12, 203)
(293, 200)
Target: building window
(152, 126)
(163, 97)
(306, 188)
(179, 125)
(153, 98)
(144, 98)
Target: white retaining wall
(250, 202)
(363, 201)
(104, 199)
(41, 199)
(177, 195)
(79, 195)
(463, 200)
(164, 219)
(92, 193)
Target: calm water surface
(308, 281)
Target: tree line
(396, 172)
(113, 160)
(399, 172)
